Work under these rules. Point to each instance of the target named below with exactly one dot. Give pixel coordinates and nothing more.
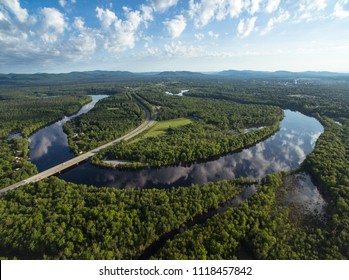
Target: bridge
(83, 157)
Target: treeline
(215, 130)
(223, 114)
(26, 115)
(108, 120)
(308, 98)
(184, 144)
(14, 163)
(54, 219)
(329, 166)
(259, 228)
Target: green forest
(26, 115)
(108, 120)
(14, 163)
(215, 129)
(55, 219)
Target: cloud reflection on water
(49, 146)
(283, 151)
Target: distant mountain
(249, 74)
(65, 78)
(44, 79)
(180, 74)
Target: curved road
(75, 161)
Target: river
(285, 150)
(49, 146)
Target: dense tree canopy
(215, 130)
(59, 220)
(14, 163)
(25, 115)
(108, 120)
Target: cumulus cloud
(85, 42)
(163, 5)
(147, 12)
(272, 6)
(309, 9)
(254, 6)
(79, 23)
(106, 17)
(199, 36)
(235, 7)
(82, 44)
(53, 24)
(63, 3)
(212, 34)
(339, 11)
(283, 16)
(246, 27)
(176, 26)
(120, 34)
(14, 7)
(204, 11)
(182, 50)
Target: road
(75, 161)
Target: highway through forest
(83, 157)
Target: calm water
(305, 196)
(283, 151)
(49, 146)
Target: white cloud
(163, 5)
(272, 6)
(199, 36)
(204, 11)
(120, 35)
(147, 12)
(79, 23)
(124, 35)
(339, 11)
(254, 6)
(62, 3)
(246, 27)
(176, 26)
(182, 50)
(106, 17)
(82, 44)
(15, 7)
(3, 17)
(283, 16)
(212, 34)
(309, 9)
(53, 24)
(235, 7)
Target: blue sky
(157, 35)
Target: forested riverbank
(108, 120)
(25, 115)
(215, 128)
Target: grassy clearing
(160, 127)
